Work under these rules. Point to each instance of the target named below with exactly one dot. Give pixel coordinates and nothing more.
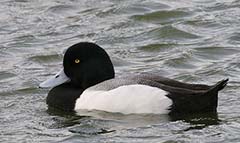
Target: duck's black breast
(63, 97)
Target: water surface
(192, 41)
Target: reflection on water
(198, 121)
(192, 41)
(100, 122)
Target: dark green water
(192, 41)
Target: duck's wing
(173, 83)
(169, 85)
(166, 84)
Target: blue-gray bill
(56, 80)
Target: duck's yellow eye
(77, 61)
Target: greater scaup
(88, 82)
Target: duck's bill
(56, 80)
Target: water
(192, 41)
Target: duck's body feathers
(182, 95)
(126, 99)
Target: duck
(88, 82)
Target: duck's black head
(84, 64)
(87, 64)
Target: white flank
(129, 99)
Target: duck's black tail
(219, 86)
(213, 93)
(205, 101)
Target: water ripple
(194, 41)
(162, 17)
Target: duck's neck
(86, 83)
(93, 76)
